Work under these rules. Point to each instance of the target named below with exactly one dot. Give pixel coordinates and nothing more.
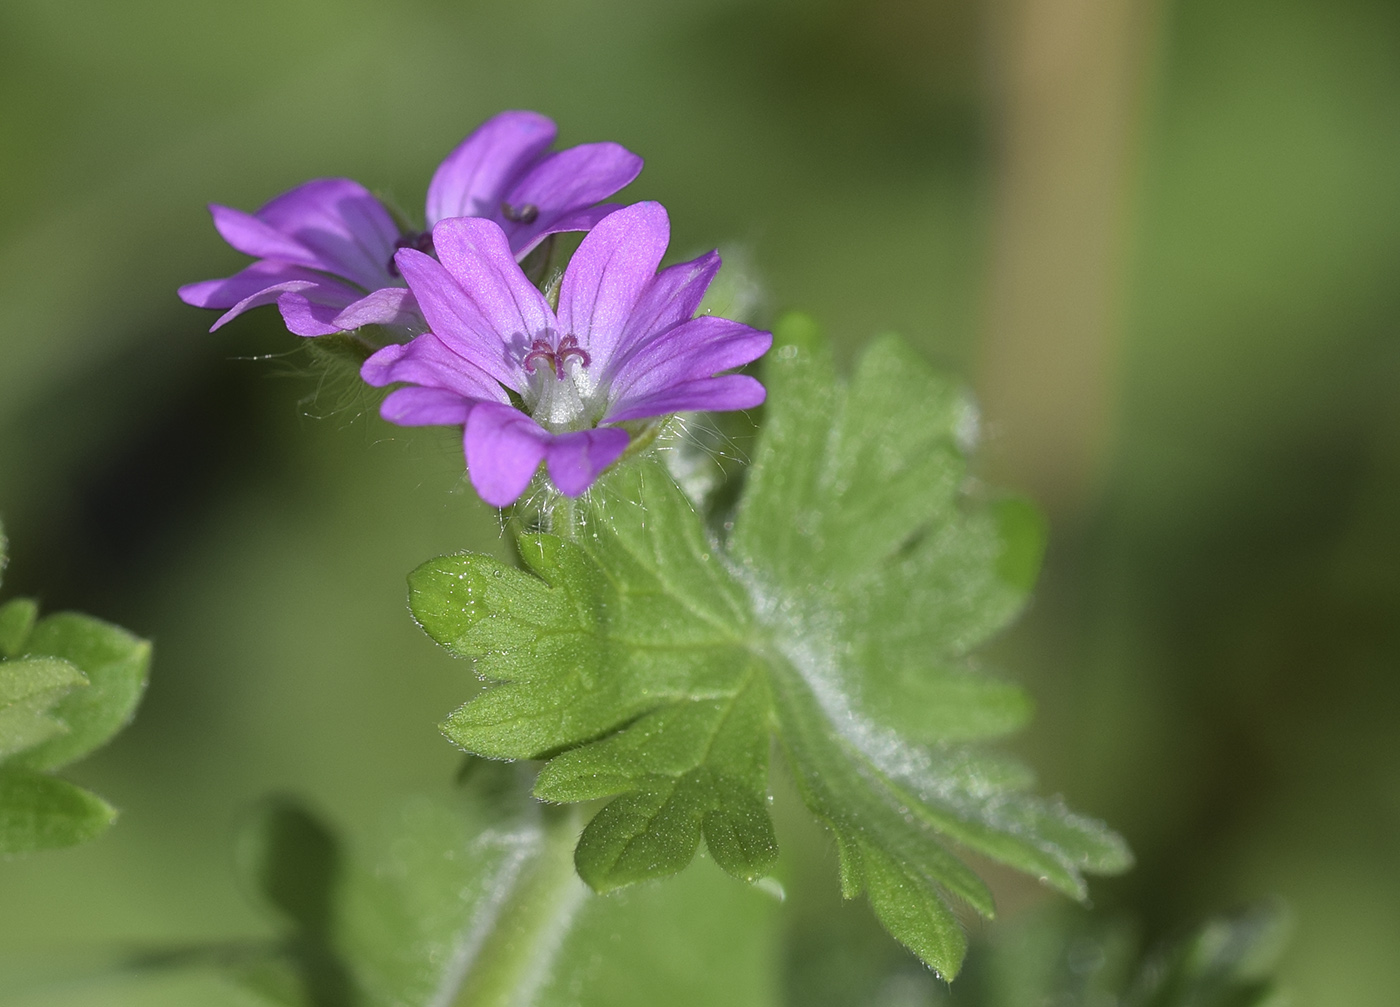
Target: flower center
(558, 394)
(556, 356)
(422, 241)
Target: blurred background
(1160, 239)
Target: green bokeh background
(1216, 641)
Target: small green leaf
(116, 664)
(690, 768)
(654, 667)
(913, 913)
(16, 622)
(40, 812)
(29, 690)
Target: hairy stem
(517, 957)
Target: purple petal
(259, 239)
(671, 299)
(455, 318)
(504, 448)
(726, 392)
(695, 349)
(473, 180)
(247, 283)
(577, 459)
(266, 282)
(426, 407)
(452, 315)
(566, 182)
(430, 362)
(393, 306)
(342, 227)
(608, 274)
(267, 295)
(312, 310)
(491, 296)
(523, 241)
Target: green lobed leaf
(29, 690)
(116, 664)
(39, 812)
(651, 666)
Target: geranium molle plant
(531, 383)
(325, 249)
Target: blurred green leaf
(293, 861)
(29, 690)
(40, 812)
(1227, 963)
(474, 901)
(116, 664)
(77, 684)
(650, 666)
(698, 940)
(1077, 960)
(17, 618)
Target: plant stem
(515, 960)
(565, 520)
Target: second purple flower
(325, 249)
(530, 384)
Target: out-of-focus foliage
(473, 900)
(1212, 646)
(68, 683)
(1071, 959)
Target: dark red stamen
(555, 356)
(539, 350)
(568, 346)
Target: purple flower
(326, 249)
(531, 384)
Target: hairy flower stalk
(532, 384)
(326, 249)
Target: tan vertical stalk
(1069, 77)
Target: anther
(569, 347)
(540, 350)
(525, 213)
